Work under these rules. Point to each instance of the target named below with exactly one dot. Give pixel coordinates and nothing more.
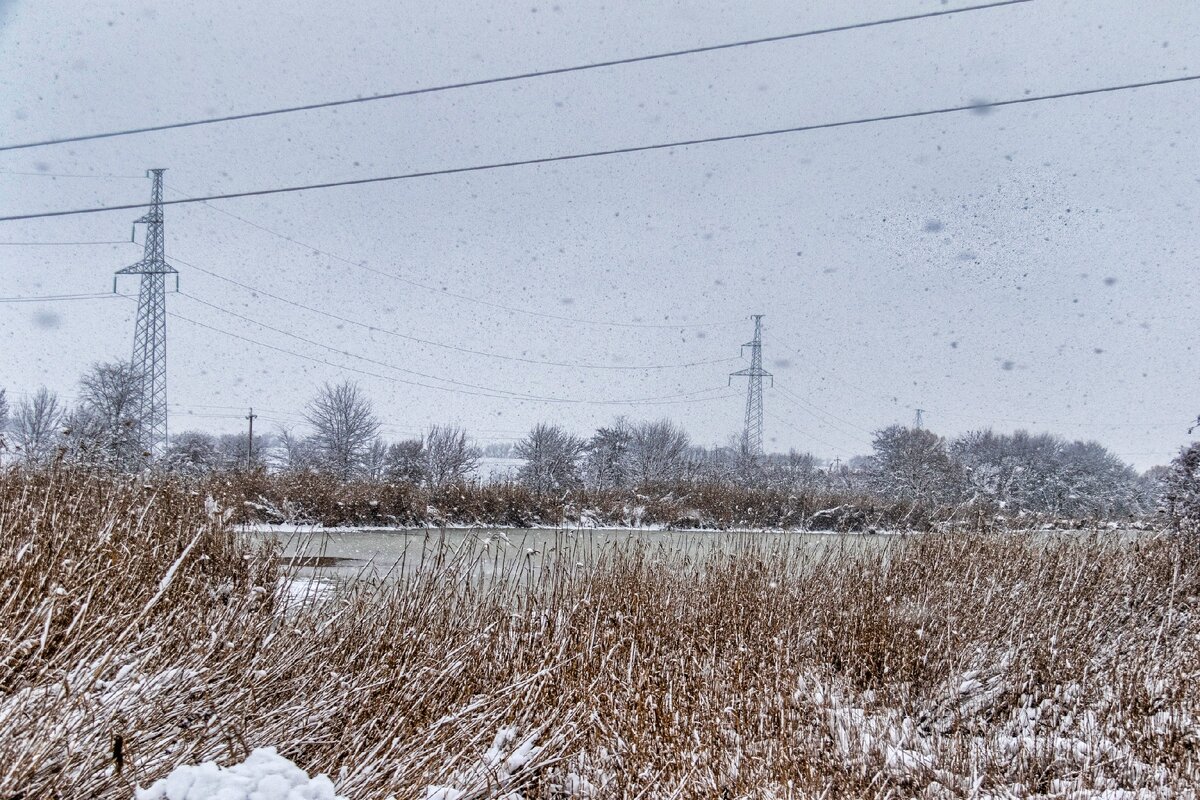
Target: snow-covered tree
(374, 461)
(104, 428)
(1044, 473)
(608, 454)
(36, 427)
(293, 452)
(795, 470)
(1018, 470)
(192, 453)
(449, 456)
(344, 426)
(657, 452)
(407, 462)
(233, 451)
(1094, 482)
(912, 464)
(1181, 495)
(551, 457)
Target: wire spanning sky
(1027, 266)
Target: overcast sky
(1030, 267)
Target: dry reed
(138, 632)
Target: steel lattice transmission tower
(753, 440)
(150, 336)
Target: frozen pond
(329, 553)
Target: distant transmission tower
(919, 419)
(150, 337)
(754, 390)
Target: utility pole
(250, 440)
(919, 419)
(149, 358)
(753, 435)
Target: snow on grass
(497, 773)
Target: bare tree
(36, 427)
(295, 453)
(375, 462)
(551, 459)
(345, 424)
(449, 457)
(657, 452)
(795, 470)
(407, 462)
(106, 425)
(233, 451)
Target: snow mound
(264, 775)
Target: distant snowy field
(492, 470)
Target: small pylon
(149, 359)
(753, 434)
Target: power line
(486, 391)
(833, 374)
(67, 175)
(818, 410)
(47, 298)
(813, 412)
(57, 244)
(802, 432)
(508, 78)
(376, 362)
(457, 348)
(975, 107)
(467, 298)
(235, 408)
(276, 415)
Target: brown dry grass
(931, 666)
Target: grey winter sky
(1030, 267)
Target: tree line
(1019, 472)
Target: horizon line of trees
(1016, 472)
